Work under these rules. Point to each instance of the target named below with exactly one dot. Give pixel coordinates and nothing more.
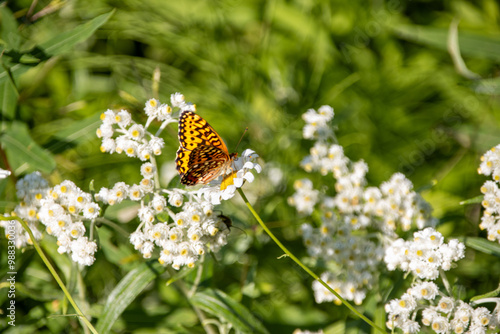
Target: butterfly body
(202, 155)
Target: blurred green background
(384, 66)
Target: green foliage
(220, 305)
(125, 292)
(399, 105)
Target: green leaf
(23, 153)
(493, 293)
(221, 305)
(483, 245)
(475, 45)
(125, 293)
(59, 44)
(10, 33)
(474, 200)
(9, 95)
(72, 132)
(67, 40)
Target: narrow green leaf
(10, 33)
(493, 293)
(481, 46)
(15, 70)
(221, 305)
(474, 200)
(125, 293)
(72, 132)
(59, 44)
(483, 245)
(8, 97)
(67, 40)
(23, 153)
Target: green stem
(446, 284)
(53, 272)
(303, 266)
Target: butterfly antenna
(246, 129)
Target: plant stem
(53, 272)
(303, 266)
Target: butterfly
(202, 155)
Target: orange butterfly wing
(202, 155)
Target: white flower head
(151, 107)
(177, 100)
(82, 251)
(148, 170)
(224, 187)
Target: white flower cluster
(63, 210)
(184, 239)
(425, 255)
(317, 123)
(122, 191)
(490, 221)
(305, 197)
(354, 207)
(359, 267)
(30, 191)
(441, 313)
(133, 138)
(394, 204)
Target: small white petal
(249, 177)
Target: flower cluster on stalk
(30, 191)
(63, 209)
(438, 312)
(352, 213)
(180, 223)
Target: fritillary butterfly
(202, 155)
